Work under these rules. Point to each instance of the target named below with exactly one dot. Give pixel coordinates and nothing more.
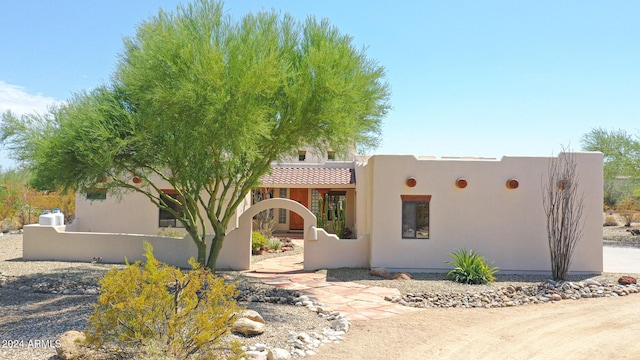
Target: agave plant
(469, 267)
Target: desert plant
(265, 220)
(257, 241)
(610, 220)
(339, 220)
(563, 204)
(469, 267)
(274, 244)
(629, 210)
(322, 216)
(156, 308)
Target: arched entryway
(237, 247)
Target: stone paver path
(355, 301)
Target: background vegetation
(621, 151)
(21, 203)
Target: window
(282, 213)
(315, 201)
(415, 216)
(331, 155)
(97, 194)
(166, 218)
(263, 194)
(302, 155)
(337, 200)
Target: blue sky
(469, 78)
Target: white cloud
(19, 101)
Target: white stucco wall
(506, 225)
(54, 243)
(130, 213)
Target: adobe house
(406, 213)
(418, 210)
(308, 177)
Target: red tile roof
(310, 176)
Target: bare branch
(563, 204)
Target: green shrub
(470, 268)
(274, 244)
(257, 241)
(153, 310)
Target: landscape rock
(248, 327)
(627, 280)
(252, 315)
(399, 276)
(278, 354)
(255, 355)
(555, 297)
(341, 324)
(545, 292)
(379, 272)
(70, 347)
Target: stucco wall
(505, 225)
(329, 252)
(322, 250)
(130, 213)
(54, 243)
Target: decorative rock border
(549, 291)
(301, 343)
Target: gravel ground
(31, 322)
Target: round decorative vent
(512, 184)
(137, 180)
(461, 183)
(411, 182)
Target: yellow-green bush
(153, 309)
(257, 241)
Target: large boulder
(247, 326)
(70, 346)
(252, 315)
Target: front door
(296, 222)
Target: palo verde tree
(563, 204)
(204, 104)
(621, 152)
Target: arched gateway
(236, 252)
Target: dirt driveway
(606, 328)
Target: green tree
(204, 104)
(621, 152)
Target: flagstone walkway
(355, 301)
